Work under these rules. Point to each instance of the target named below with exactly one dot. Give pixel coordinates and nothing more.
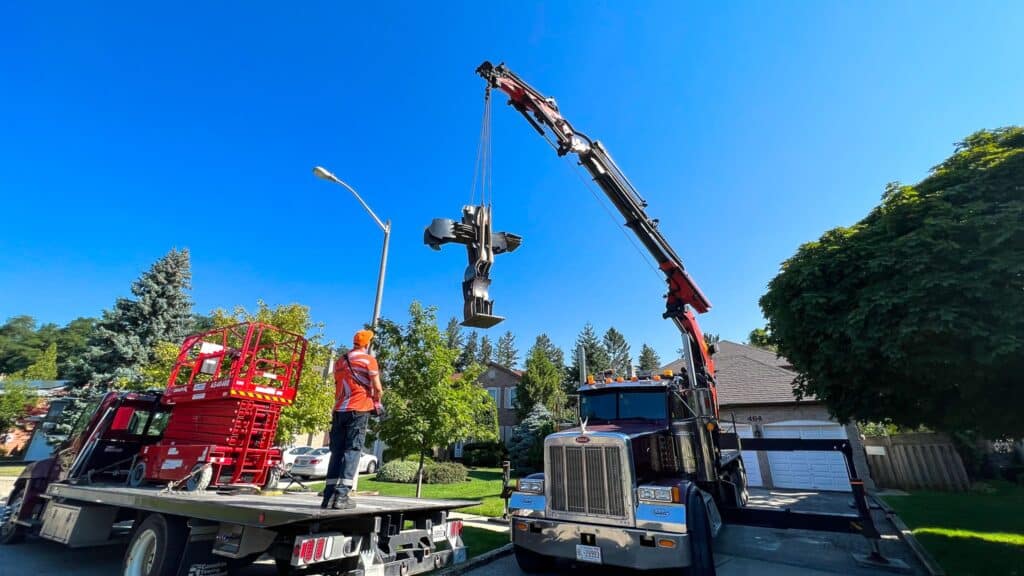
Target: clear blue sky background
(751, 128)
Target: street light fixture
(322, 172)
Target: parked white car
(314, 464)
(288, 455)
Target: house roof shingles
(748, 375)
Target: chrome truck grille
(591, 482)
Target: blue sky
(749, 128)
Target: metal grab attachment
(474, 231)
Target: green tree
(554, 353)
(453, 334)
(649, 359)
(124, 339)
(761, 338)
(20, 344)
(426, 405)
(44, 368)
(915, 314)
(597, 357)
(314, 398)
(486, 353)
(526, 448)
(618, 352)
(72, 343)
(15, 401)
(470, 351)
(541, 383)
(506, 353)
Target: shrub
(526, 450)
(443, 473)
(398, 471)
(483, 454)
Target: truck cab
(636, 484)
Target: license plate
(588, 553)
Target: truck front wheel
(702, 558)
(156, 547)
(531, 562)
(10, 532)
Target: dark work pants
(348, 432)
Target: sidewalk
(483, 522)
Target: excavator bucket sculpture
(474, 231)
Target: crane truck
(649, 476)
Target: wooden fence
(916, 461)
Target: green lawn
(969, 533)
(480, 540)
(484, 484)
(12, 470)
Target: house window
(510, 398)
(494, 392)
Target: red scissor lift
(227, 389)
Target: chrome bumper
(625, 547)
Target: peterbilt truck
(648, 477)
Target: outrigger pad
(482, 321)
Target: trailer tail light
(306, 554)
(455, 529)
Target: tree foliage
(15, 401)
(453, 335)
(761, 338)
(426, 405)
(526, 448)
(44, 368)
(470, 351)
(486, 354)
(553, 353)
(915, 314)
(597, 356)
(541, 383)
(506, 353)
(618, 352)
(314, 399)
(124, 339)
(649, 359)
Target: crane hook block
(474, 231)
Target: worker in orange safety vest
(357, 393)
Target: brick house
(755, 389)
(501, 383)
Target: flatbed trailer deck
(214, 533)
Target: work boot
(328, 495)
(339, 502)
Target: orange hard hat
(362, 338)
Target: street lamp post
(322, 172)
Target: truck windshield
(610, 405)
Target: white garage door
(749, 456)
(810, 470)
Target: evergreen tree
(597, 357)
(649, 359)
(453, 334)
(541, 384)
(618, 352)
(469, 352)
(72, 343)
(506, 353)
(486, 353)
(554, 353)
(526, 448)
(124, 339)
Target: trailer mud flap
(198, 558)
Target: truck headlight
(531, 485)
(658, 493)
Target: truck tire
(273, 478)
(200, 479)
(11, 533)
(532, 563)
(156, 547)
(702, 558)
(137, 477)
